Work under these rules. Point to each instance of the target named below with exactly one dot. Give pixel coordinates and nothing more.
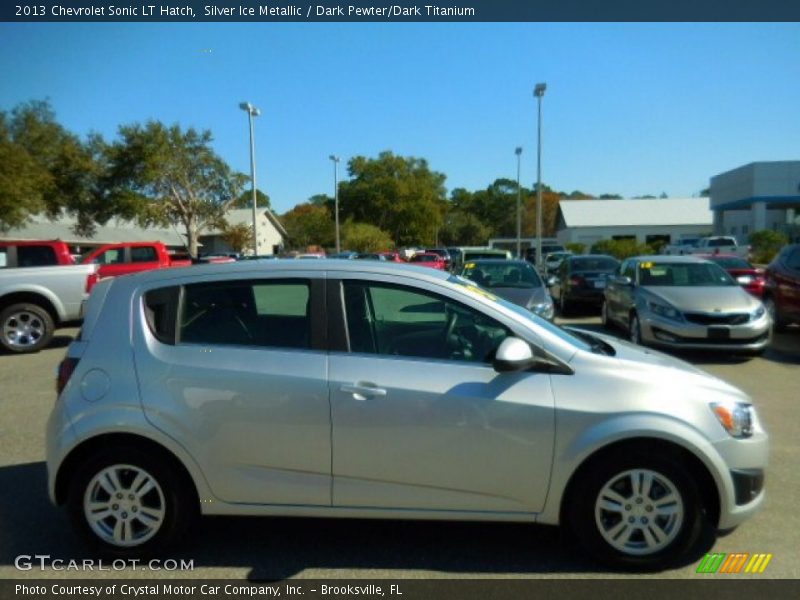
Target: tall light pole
(252, 111)
(538, 93)
(518, 152)
(335, 160)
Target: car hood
(524, 297)
(706, 299)
(667, 367)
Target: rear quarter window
(160, 310)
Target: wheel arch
(87, 448)
(709, 492)
(31, 298)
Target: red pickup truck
(131, 257)
(44, 253)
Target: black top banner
(400, 10)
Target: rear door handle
(362, 391)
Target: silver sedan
(684, 302)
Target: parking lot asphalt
(276, 548)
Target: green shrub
(576, 247)
(765, 245)
(621, 249)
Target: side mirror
(551, 281)
(623, 280)
(512, 355)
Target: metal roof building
(647, 220)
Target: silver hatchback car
(685, 302)
(355, 389)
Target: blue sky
(630, 108)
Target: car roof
(579, 256)
(665, 258)
(246, 268)
(500, 261)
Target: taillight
(91, 280)
(65, 370)
(576, 281)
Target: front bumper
(742, 493)
(752, 336)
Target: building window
(745, 229)
(733, 230)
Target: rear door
(144, 258)
(421, 420)
(788, 283)
(240, 380)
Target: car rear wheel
(127, 503)
(25, 328)
(638, 511)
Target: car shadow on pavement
(279, 548)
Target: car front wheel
(127, 503)
(638, 511)
(635, 329)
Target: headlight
(735, 417)
(666, 311)
(758, 313)
(543, 309)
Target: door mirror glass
(513, 354)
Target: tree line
(160, 175)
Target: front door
(421, 420)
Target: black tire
(35, 320)
(564, 306)
(586, 519)
(635, 330)
(778, 324)
(179, 504)
(607, 323)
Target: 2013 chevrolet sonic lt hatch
(359, 389)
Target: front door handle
(362, 391)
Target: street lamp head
(249, 108)
(538, 91)
(518, 150)
(334, 158)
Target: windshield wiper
(597, 345)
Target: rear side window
(141, 254)
(36, 256)
(160, 308)
(272, 314)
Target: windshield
(731, 262)
(683, 275)
(501, 274)
(594, 264)
(424, 258)
(557, 331)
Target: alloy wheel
(639, 512)
(124, 505)
(23, 329)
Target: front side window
(247, 313)
(400, 321)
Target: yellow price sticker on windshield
(469, 266)
(480, 292)
(647, 265)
